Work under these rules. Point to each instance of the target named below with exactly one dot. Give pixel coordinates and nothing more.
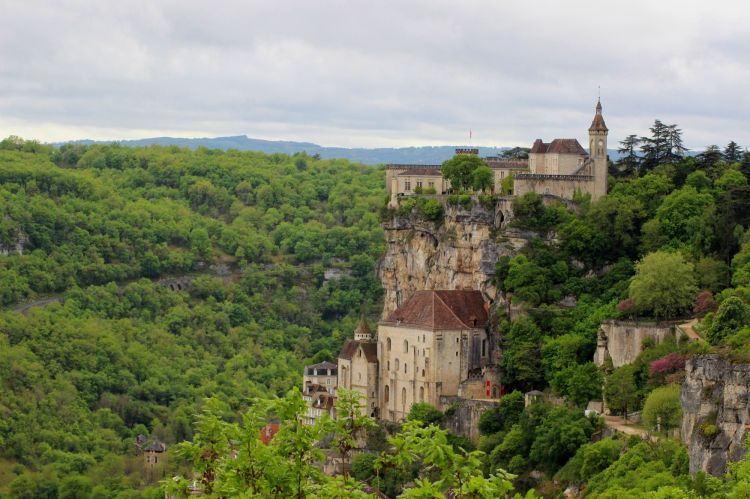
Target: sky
(374, 73)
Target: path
(689, 330)
(619, 424)
(24, 308)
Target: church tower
(598, 152)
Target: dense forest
(281, 252)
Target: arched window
(388, 344)
(387, 393)
(421, 394)
(406, 346)
(396, 364)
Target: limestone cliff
(457, 253)
(716, 412)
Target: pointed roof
(362, 327)
(455, 309)
(598, 125)
(559, 146)
(155, 446)
(369, 349)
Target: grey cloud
(375, 73)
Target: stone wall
(622, 341)
(564, 186)
(464, 420)
(716, 412)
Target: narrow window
(421, 394)
(387, 394)
(388, 344)
(396, 364)
(484, 348)
(406, 346)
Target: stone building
(323, 374)
(559, 168)
(405, 179)
(562, 168)
(155, 459)
(358, 367)
(431, 347)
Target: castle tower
(598, 152)
(363, 332)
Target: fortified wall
(622, 341)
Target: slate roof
(598, 125)
(155, 446)
(456, 309)
(322, 365)
(362, 327)
(370, 350)
(431, 172)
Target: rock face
(463, 419)
(458, 253)
(716, 412)
(622, 341)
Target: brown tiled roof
(565, 146)
(560, 146)
(407, 166)
(362, 327)
(370, 350)
(520, 164)
(457, 309)
(598, 125)
(539, 147)
(432, 172)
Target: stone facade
(622, 341)
(358, 367)
(429, 347)
(463, 419)
(562, 168)
(715, 401)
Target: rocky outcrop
(462, 415)
(622, 341)
(459, 252)
(716, 412)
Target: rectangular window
(484, 348)
(419, 183)
(502, 174)
(431, 184)
(407, 185)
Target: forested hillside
(122, 355)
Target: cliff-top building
(560, 168)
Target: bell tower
(598, 152)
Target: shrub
(704, 303)
(626, 307)
(662, 408)
(666, 365)
(430, 190)
(431, 209)
(465, 201)
(709, 430)
(487, 201)
(418, 189)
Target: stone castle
(432, 342)
(559, 168)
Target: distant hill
(415, 155)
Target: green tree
(662, 408)
(459, 170)
(482, 178)
(620, 391)
(424, 412)
(349, 425)
(664, 285)
(732, 315)
(732, 152)
(629, 159)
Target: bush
(662, 408)
(668, 364)
(709, 430)
(487, 201)
(430, 190)
(465, 201)
(732, 315)
(431, 209)
(704, 303)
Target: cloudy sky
(373, 73)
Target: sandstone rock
(715, 392)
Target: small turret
(363, 332)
